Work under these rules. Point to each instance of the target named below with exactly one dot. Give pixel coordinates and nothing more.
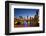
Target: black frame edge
(43, 17)
(6, 18)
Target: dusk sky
(24, 12)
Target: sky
(24, 12)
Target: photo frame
(24, 17)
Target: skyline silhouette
(25, 12)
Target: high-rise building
(37, 12)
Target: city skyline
(25, 12)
